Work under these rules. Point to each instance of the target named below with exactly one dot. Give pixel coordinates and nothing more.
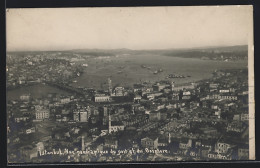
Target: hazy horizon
(199, 47)
(135, 28)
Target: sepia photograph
(130, 84)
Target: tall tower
(105, 111)
(172, 85)
(109, 123)
(82, 143)
(169, 140)
(110, 86)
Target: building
(81, 114)
(40, 146)
(213, 85)
(115, 126)
(228, 97)
(185, 144)
(25, 97)
(20, 117)
(159, 86)
(224, 91)
(30, 130)
(150, 142)
(236, 117)
(175, 96)
(235, 126)
(138, 87)
(209, 131)
(119, 91)
(186, 97)
(65, 100)
(244, 117)
(182, 87)
(76, 116)
(111, 142)
(137, 98)
(219, 156)
(186, 93)
(42, 114)
(154, 116)
(243, 152)
(151, 96)
(84, 115)
(163, 141)
(102, 98)
(222, 147)
(105, 111)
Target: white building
(102, 98)
(42, 114)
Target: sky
(127, 27)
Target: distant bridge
(67, 88)
(73, 90)
(83, 93)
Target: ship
(175, 76)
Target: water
(127, 70)
(36, 91)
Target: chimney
(82, 143)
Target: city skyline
(138, 84)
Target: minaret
(169, 140)
(110, 86)
(172, 85)
(109, 123)
(82, 143)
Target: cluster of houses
(36, 69)
(204, 121)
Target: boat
(175, 76)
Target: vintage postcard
(130, 84)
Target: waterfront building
(102, 98)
